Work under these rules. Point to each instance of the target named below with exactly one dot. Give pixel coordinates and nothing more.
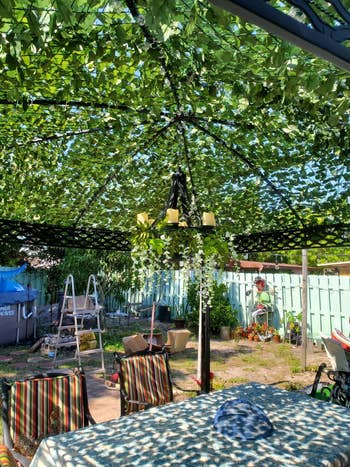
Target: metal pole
(19, 306)
(200, 330)
(304, 309)
(205, 363)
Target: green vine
(191, 250)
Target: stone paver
(104, 403)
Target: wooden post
(304, 309)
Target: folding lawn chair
(144, 381)
(43, 405)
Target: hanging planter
(183, 240)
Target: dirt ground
(237, 362)
(232, 362)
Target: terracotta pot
(256, 338)
(250, 337)
(276, 338)
(225, 333)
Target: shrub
(221, 312)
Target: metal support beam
(315, 36)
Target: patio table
(306, 432)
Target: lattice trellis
(311, 237)
(24, 233)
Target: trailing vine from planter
(192, 250)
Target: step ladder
(79, 310)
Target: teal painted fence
(36, 280)
(328, 298)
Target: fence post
(304, 309)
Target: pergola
(102, 100)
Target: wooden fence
(328, 297)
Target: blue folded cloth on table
(241, 419)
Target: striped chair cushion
(7, 458)
(44, 406)
(146, 379)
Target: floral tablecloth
(306, 432)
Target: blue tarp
(11, 291)
(9, 273)
(9, 285)
(9, 298)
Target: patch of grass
(284, 351)
(292, 386)
(182, 364)
(218, 365)
(258, 361)
(312, 368)
(4, 369)
(237, 380)
(248, 369)
(218, 384)
(114, 347)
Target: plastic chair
(43, 405)
(335, 353)
(144, 381)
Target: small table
(119, 316)
(307, 432)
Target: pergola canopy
(101, 101)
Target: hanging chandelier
(179, 211)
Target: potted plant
(276, 336)
(250, 331)
(179, 321)
(239, 333)
(158, 247)
(221, 313)
(251, 336)
(294, 327)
